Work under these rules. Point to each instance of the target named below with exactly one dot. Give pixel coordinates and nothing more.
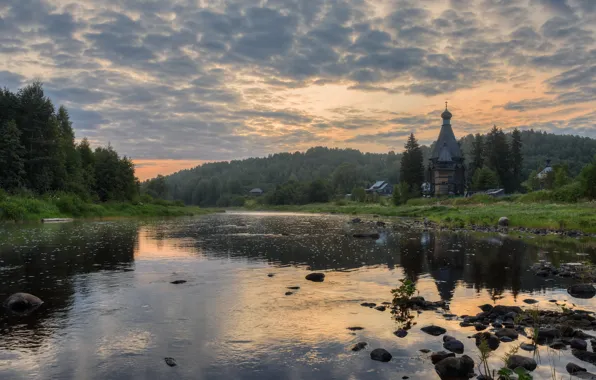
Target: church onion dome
(446, 114)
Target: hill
(344, 169)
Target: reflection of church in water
(446, 170)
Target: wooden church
(446, 170)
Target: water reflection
(111, 312)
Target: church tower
(446, 168)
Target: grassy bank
(463, 212)
(22, 208)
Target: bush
(11, 210)
(536, 196)
(237, 201)
(570, 193)
(146, 199)
(178, 204)
(70, 204)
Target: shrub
(570, 193)
(146, 199)
(178, 204)
(11, 210)
(536, 196)
(70, 204)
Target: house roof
(256, 190)
(377, 184)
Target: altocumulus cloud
(234, 78)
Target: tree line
(39, 155)
(496, 159)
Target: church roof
(444, 155)
(446, 139)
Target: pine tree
(11, 156)
(70, 157)
(516, 158)
(412, 167)
(477, 153)
(498, 157)
(87, 159)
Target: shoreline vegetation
(18, 208)
(476, 211)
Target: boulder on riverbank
(503, 221)
(315, 277)
(22, 303)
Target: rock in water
(436, 357)
(505, 339)
(585, 356)
(572, 368)
(289, 293)
(521, 361)
(504, 221)
(380, 354)
(176, 282)
(381, 308)
(373, 235)
(455, 368)
(527, 347)
(511, 333)
(355, 328)
(454, 345)
(356, 220)
(171, 362)
(492, 340)
(558, 345)
(359, 346)
(293, 287)
(434, 330)
(530, 301)
(579, 344)
(582, 291)
(486, 307)
(316, 277)
(401, 333)
(22, 303)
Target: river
(111, 312)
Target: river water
(110, 311)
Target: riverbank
(19, 208)
(579, 216)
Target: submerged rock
(315, 277)
(455, 368)
(530, 301)
(22, 303)
(355, 328)
(521, 361)
(289, 293)
(505, 339)
(359, 346)
(436, 357)
(486, 307)
(293, 287)
(558, 345)
(381, 355)
(434, 330)
(548, 334)
(176, 282)
(171, 362)
(582, 291)
(356, 220)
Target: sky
(174, 83)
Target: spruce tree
(498, 157)
(11, 156)
(477, 153)
(412, 167)
(516, 158)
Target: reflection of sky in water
(111, 312)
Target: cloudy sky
(175, 82)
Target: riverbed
(111, 312)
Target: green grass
(464, 212)
(24, 208)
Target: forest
(325, 173)
(39, 156)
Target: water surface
(110, 311)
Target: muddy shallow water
(110, 311)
